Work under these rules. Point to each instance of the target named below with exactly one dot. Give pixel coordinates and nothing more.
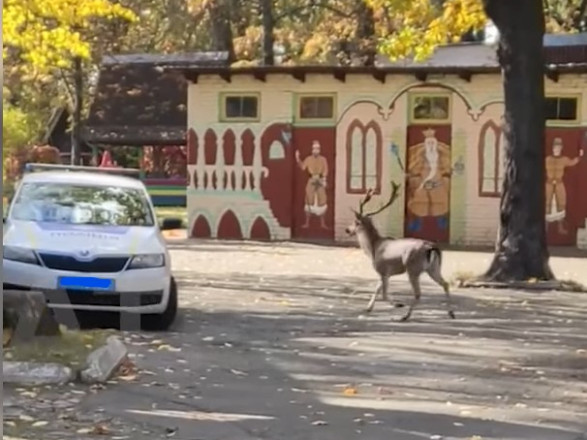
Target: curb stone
(36, 373)
(102, 362)
(100, 365)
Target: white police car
(90, 241)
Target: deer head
(362, 219)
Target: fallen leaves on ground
(350, 391)
(127, 371)
(167, 347)
(99, 429)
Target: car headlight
(145, 261)
(22, 255)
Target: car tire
(162, 321)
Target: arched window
(364, 144)
(491, 159)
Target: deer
(394, 256)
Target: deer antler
(394, 194)
(365, 200)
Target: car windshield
(82, 205)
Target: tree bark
(268, 39)
(580, 22)
(221, 31)
(365, 33)
(78, 102)
(521, 251)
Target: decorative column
(238, 165)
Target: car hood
(89, 239)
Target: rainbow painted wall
(167, 192)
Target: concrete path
(273, 344)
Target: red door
(314, 178)
(428, 182)
(566, 185)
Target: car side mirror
(171, 223)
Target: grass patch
(71, 348)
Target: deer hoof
(451, 314)
(404, 318)
(399, 305)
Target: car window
(82, 205)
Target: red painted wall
(303, 137)
(277, 186)
(575, 182)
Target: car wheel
(162, 321)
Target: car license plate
(86, 283)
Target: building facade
(286, 152)
(139, 115)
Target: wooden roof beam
(552, 75)
(300, 76)
(465, 75)
(340, 75)
(226, 76)
(192, 76)
(260, 76)
(421, 76)
(379, 76)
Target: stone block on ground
(28, 315)
(104, 361)
(35, 373)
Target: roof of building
(557, 51)
(578, 39)
(139, 102)
(563, 53)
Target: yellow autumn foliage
(416, 27)
(49, 33)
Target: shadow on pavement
(270, 357)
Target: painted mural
(316, 201)
(442, 139)
(565, 178)
(428, 183)
(314, 183)
(564, 215)
(235, 189)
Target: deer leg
(373, 298)
(434, 273)
(415, 283)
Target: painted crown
(429, 132)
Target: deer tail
(434, 255)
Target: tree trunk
(521, 251)
(365, 33)
(268, 25)
(580, 22)
(221, 30)
(78, 81)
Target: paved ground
(272, 344)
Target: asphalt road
(272, 343)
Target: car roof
(83, 178)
